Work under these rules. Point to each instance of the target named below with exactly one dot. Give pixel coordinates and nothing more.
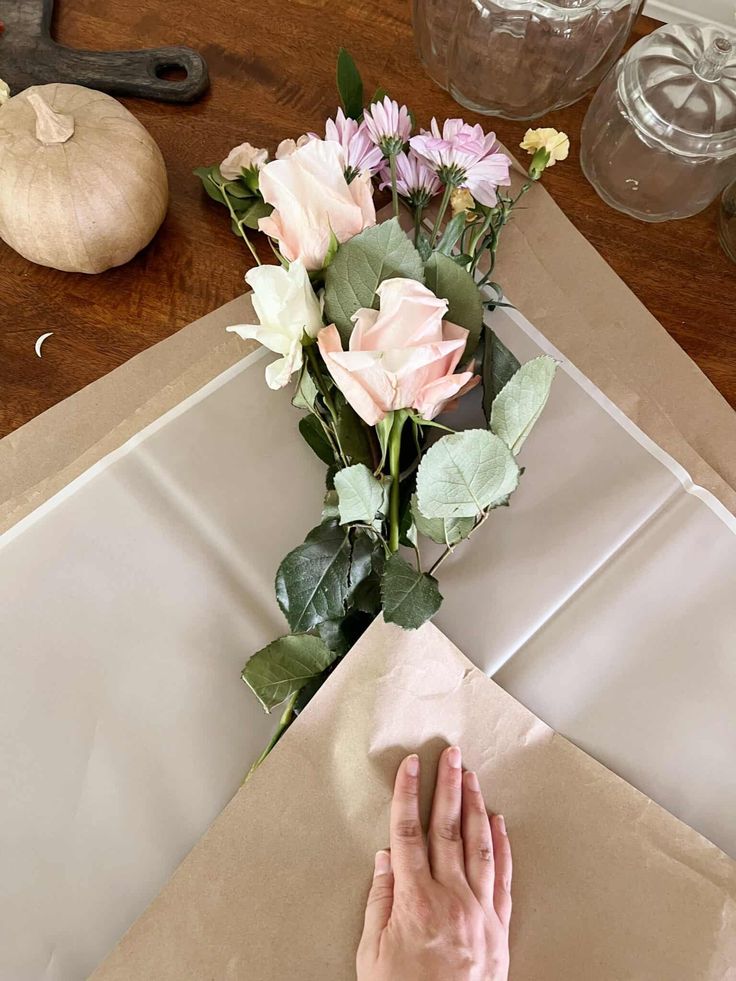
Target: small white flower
(240, 158)
(287, 308)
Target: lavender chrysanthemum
(414, 179)
(464, 156)
(361, 154)
(388, 124)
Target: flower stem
(394, 452)
(239, 226)
(284, 722)
(320, 379)
(442, 209)
(451, 548)
(477, 237)
(417, 222)
(394, 191)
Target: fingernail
(471, 781)
(412, 765)
(454, 757)
(501, 823)
(382, 864)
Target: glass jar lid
(679, 86)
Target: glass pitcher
(520, 58)
(659, 139)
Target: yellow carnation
(555, 143)
(461, 200)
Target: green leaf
(340, 635)
(499, 364)
(349, 85)
(306, 391)
(258, 209)
(313, 581)
(354, 436)
(424, 246)
(209, 184)
(366, 596)
(332, 634)
(409, 597)
(379, 95)
(235, 189)
(453, 230)
(361, 265)
(407, 526)
(308, 692)
(383, 430)
(453, 283)
(332, 247)
(285, 666)
(361, 560)
(520, 402)
(314, 434)
(464, 474)
(445, 531)
(361, 495)
(330, 510)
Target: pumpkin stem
(51, 127)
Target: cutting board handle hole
(171, 72)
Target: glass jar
(727, 221)
(520, 58)
(659, 139)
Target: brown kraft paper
(608, 886)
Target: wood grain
(272, 73)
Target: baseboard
(693, 12)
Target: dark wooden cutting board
(30, 56)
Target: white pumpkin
(82, 183)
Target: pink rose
(401, 356)
(311, 199)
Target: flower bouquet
(382, 331)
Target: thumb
(380, 900)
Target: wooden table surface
(272, 66)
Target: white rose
(287, 308)
(240, 158)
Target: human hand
(439, 913)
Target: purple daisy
(361, 154)
(464, 156)
(389, 125)
(414, 179)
